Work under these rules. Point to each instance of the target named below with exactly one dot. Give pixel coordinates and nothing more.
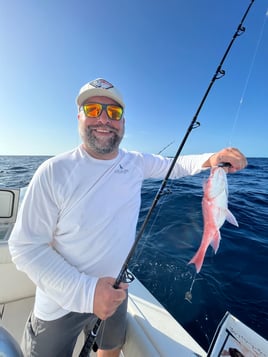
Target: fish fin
(215, 242)
(231, 218)
(198, 259)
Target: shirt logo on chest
(121, 170)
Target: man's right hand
(107, 298)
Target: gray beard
(93, 143)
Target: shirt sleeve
(31, 248)
(156, 166)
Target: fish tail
(198, 259)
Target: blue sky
(161, 54)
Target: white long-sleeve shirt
(77, 223)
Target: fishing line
(188, 295)
(124, 274)
(237, 115)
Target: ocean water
(234, 280)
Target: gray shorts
(57, 338)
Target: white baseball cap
(99, 87)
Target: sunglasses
(94, 110)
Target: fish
(215, 211)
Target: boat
(151, 330)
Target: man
(77, 224)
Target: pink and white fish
(215, 212)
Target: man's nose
(103, 118)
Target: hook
(188, 295)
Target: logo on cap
(101, 83)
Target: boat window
(9, 202)
(7, 199)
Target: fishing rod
(125, 275)
(165, 147)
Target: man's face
(101, 136)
